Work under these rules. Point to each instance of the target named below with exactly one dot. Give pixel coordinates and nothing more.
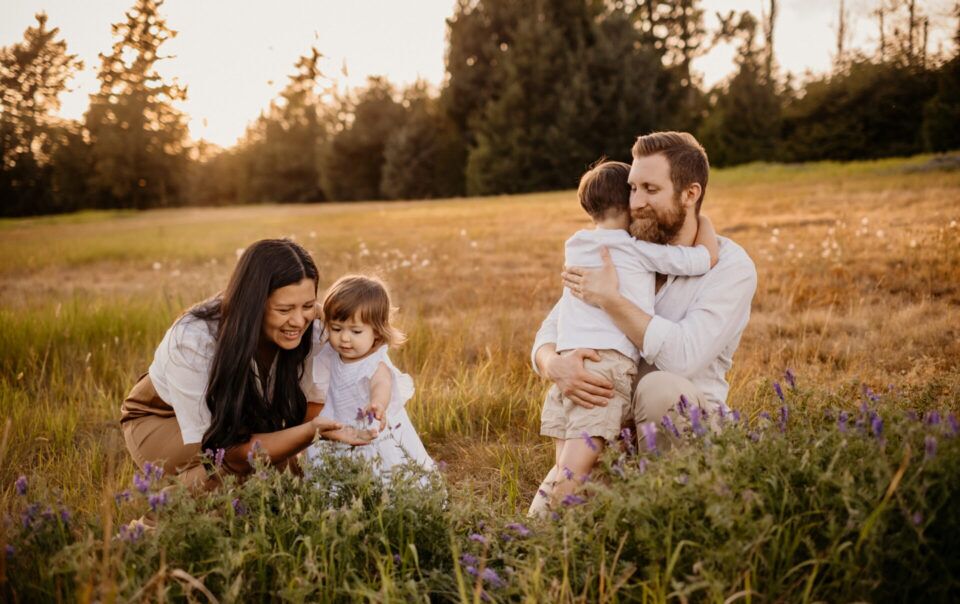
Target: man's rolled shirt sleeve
(547, 334)
(688, 346)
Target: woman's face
(289, 311)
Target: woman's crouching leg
(157, 440)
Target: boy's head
(604, 191)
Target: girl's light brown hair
(368, 299)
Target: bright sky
(234, 55)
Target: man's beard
(662, 228)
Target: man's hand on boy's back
(566, 370)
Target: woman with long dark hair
(232, 375)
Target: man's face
(656, 212)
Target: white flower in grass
(425, 263)
(880, 234)
(157, 266)
(913, 243)
(473, 244)
(313, 235)
(463, 232)
(405, 263)
(953, 224)
(864, 221)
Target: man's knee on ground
(658, 392)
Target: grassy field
(859, 288)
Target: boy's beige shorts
(562, 418)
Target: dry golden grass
(859, 283)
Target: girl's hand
(350, 436)
(379, 411)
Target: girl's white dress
(348, 394)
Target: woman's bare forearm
(278, 446)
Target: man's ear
(690, 195)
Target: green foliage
(353, 162)
(138, 137)
(846, 504)
(941, 114)
(34, 146)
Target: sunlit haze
(234, 56)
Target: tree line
(535, 91)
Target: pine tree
(33, 73)
(138, 137)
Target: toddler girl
(364, 388)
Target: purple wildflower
(791, 379)
(469, 560)
(917, 518)
(876, 425)
(10, 551)
(784, 415)
(131, 535)
(65, 515)
(158, 500)
(617, 469)
(543, 493)
(491, 577)
(29, 514)
(441, 465)
(589, 440)
(683, 479)
(864, 409)
(954, 425)
(627, 435)
(519, 529)
(20, 485)
(765, 415)
(47, 513)
(371, 416)
(478, 538)
(141, 483)
(754, 436)
(218, 457)
(930, 446)
(870, 394)
(567, 473)
(147, 469)
(842, 421)
(736, 416)
(396, 559)
(695, 414)
(933, 419)
(683, 405)
(669, 426)
(471, 569)
(238, 508)
(642, 466)
(722, 413)
(778, 390)
(122, 496)
(360, 414)
(572, 500)
(650, 436)
(912, 415)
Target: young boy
(579, 433)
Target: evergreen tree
(529, 137)
(941, 114)
(424, 158)
(744, 119)
(138, 137)
(33, 73)
(354, 159)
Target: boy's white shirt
(697, 324)
(580, 325)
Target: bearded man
(687, 345)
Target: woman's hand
(324, 424)
(595, 286)
(351, 436)
(583, 387)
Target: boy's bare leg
(541, 499)
(575, 462)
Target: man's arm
(683, 347)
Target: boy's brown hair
(366, 297)
(686, 156)
(604, 188)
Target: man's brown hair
(604, 187)
(687, 159)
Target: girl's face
(352, 339)
(289, 311)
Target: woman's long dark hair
(237, 406)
